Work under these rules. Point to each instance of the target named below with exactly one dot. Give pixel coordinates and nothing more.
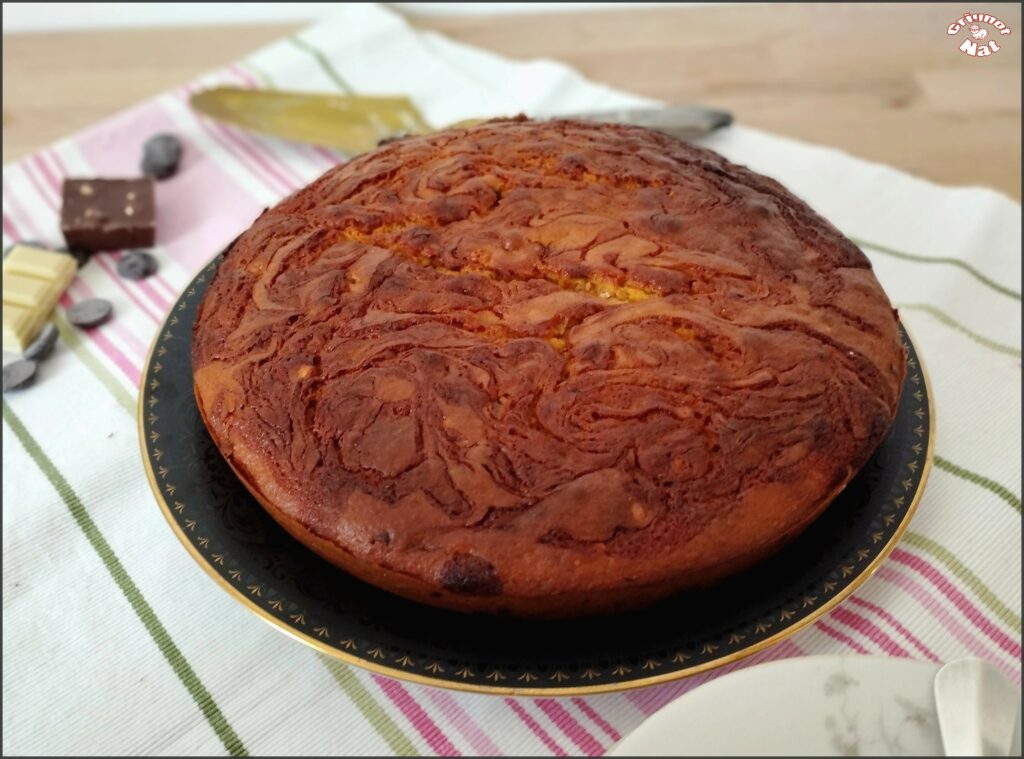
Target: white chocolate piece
(33, 282)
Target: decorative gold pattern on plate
(261, 607)
(322, 631)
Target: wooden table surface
(883, 82)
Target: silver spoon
(977, 708)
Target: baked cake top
(530, 356)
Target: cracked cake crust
(545, 368)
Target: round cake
(545, 368)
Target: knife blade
(357, 123)
(684, 121)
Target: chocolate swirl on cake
(545, 368)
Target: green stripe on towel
(131, 591)
(365, 703)
(966, 576)
(949, 321)
(325, 64)
(72, 338)
(980, 480)
(938, 260)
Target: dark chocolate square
(108, 214)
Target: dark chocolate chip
(137, 264)
(90, 313)
(42, 346)
(471, 575)
(19, 374)
(160, 156)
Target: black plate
(242, 548)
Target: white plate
(820, 705)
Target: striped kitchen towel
(112, 636)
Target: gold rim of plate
(575, 690)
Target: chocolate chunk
(107, 214)
(137, 264)
(160, 156)
(471, 575)
(90, 313)
(19, 374)
(42, 346)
